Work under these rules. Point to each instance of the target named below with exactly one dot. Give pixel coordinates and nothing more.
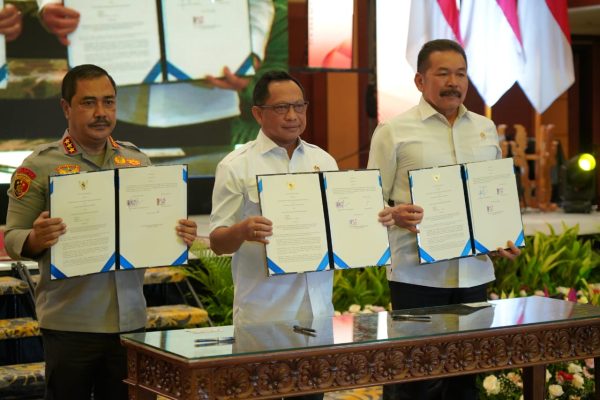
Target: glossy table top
(202, 343)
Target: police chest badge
(22, 182)
(66, 169)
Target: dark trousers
(79, 363)
(406, 296)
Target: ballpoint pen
(211, 341)
(304, 330)
(410, 317)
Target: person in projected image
(438, 131)
(11, 22)
(80, 318)
(236, 224)
(184, 103)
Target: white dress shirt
(422, 138)
(257, 297)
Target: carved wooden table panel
(513, 333)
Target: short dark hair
(261, 90)
(437, 45)
(84, 71)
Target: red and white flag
(431, 19)
(492, 41)
(548, 69)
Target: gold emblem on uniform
(482, 135)
(120, 160)
(316, 168)
(69, 145)
(134, 162)
(67, 169)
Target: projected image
(330, 33)
(192, 122)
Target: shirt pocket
(251, 203)
(485, 150)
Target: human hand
(187, 230)
(230, 81)
(60, 20)
(403, 215)
(512, 252)
(44, 234)
(256, 229)
(11, 22)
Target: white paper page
(299, 241)
(494, 204)
(202, 37)
(354, 198)
(3, 65)
(151, 201)
(120, 36)
(444, 231)
(86, 204)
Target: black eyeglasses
(283, 108)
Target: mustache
(450, 92)
(100, 122)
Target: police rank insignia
(22, 182)
(120, 160)
(69, 145)
(66, 169)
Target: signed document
(202, 37)
(151, 201)
(3, 65)
(354, 199)
(319, 218)
(494, 204)
(86, 204)
(469, 209)
(118, 219)
(121, 36)
(294, 204)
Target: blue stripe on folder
(260, 185)
(424, 256)
(177, 73)
(274, 267)
(153, 74)
(339, 262)
(51, 186)
(324, 262)
(385, 257)
(125, 264)
(520, 240)
(181, 259)
(109, 264)
(184, 171)
(245, 67)
(57, 273)
(3, 72)
(480, 248)
(467, 250)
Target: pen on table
(303, 329)
(410, 317)
(218, 340)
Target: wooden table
(273, 361)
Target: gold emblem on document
(83, 184)
(436, 177)
(291, 185)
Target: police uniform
(102, 304)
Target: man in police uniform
(81, 317)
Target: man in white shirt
(438, 131)
(236, 223)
